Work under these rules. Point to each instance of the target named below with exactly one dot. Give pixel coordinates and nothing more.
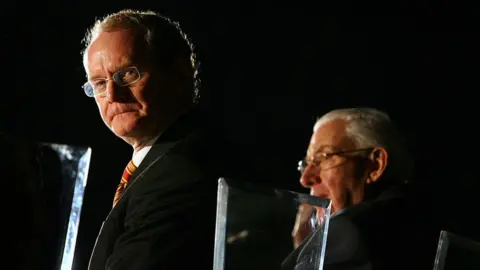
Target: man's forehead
(110, 50)
(327, 136)
(98, 63)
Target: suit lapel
(157, 151)
(181, 128)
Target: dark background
(270, 70)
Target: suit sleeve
(169, 222)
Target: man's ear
(379, 159)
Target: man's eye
(98, 83)
(320, 157)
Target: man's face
(132, 112)
(339, 178)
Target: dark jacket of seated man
(386, 233)
(166, 217)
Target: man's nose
(114, 92)
(309, 177)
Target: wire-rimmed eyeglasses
(122, 77)
(320, 158)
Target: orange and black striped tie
(127, 173)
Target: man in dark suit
(357, 159)
(142, 71)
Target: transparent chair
(42, 191)
(64, 177)
(455, 252)
(254, 228)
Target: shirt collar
(139, 155)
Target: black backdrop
(270, 70)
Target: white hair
(369, 127)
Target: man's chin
(124, 131)
(132, 131)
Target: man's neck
(150, 140)
(146, 141)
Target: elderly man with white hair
(357, 158)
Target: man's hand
(302, 227)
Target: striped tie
(127, 173)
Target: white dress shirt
(139, 155)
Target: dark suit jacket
(388, 233)
(165, 219)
